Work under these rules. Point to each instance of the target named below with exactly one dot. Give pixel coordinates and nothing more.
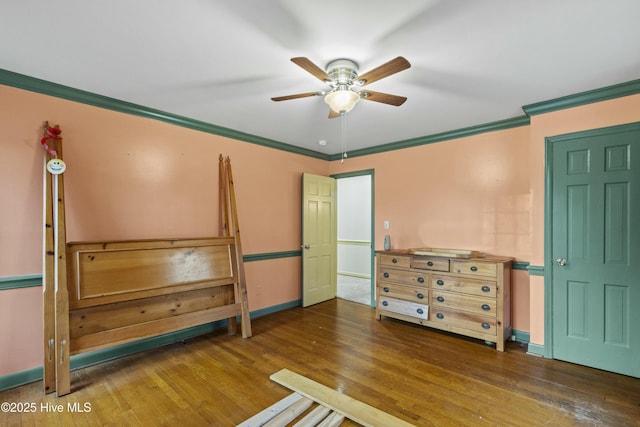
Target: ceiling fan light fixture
(342, 101)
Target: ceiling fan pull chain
(344, 136)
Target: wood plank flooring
(425, 377)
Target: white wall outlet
(386, 225)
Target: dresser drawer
(474, 268)
(430, 263)
(407, 277)
(484, 288)
(394, 261)
(408, 308)
(409, 293)
(460, 319)
(472, 304)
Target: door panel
(319, 239)
(596, 294)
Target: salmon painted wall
(593, 116)
(466, 193)
(129, 177)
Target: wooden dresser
(467, 296)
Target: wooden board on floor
(351, 408)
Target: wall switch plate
(386, 225)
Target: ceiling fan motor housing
(343, 72)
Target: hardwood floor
(420, 375)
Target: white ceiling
(220, 61)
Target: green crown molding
(438, 137)
(584, 98)
(33, 84)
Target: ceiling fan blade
(385, 98)
(310, 67)
(333, 114)
(296, 96)
(394, 66)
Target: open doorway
(355, 236)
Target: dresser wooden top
(483, 257)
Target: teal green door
(595, 241)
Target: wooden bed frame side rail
(137, 331)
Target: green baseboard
(83, 360)
(536, 349)
(521, 336)
(19, 378)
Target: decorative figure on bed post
(55, 166)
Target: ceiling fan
(342, 76)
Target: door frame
(373, 240)
(548, 219)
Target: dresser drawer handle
(420, 311)
(474, 268)
(440, 282)
(385, 289)
(386, 275)
(420, 279)
(440, 316)
(486, 307)
(430, 263)
(385, 303)
(420, 296)
(395, 261)
(485, 325)
(485, 288)
(440, 299)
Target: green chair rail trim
(83, 360)
(354, 242)
(26, 281)
(536, 270)
(272, 255)
(519, 265)
(32, 280)
(439, 137)
(33, 84)
(584, 98)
